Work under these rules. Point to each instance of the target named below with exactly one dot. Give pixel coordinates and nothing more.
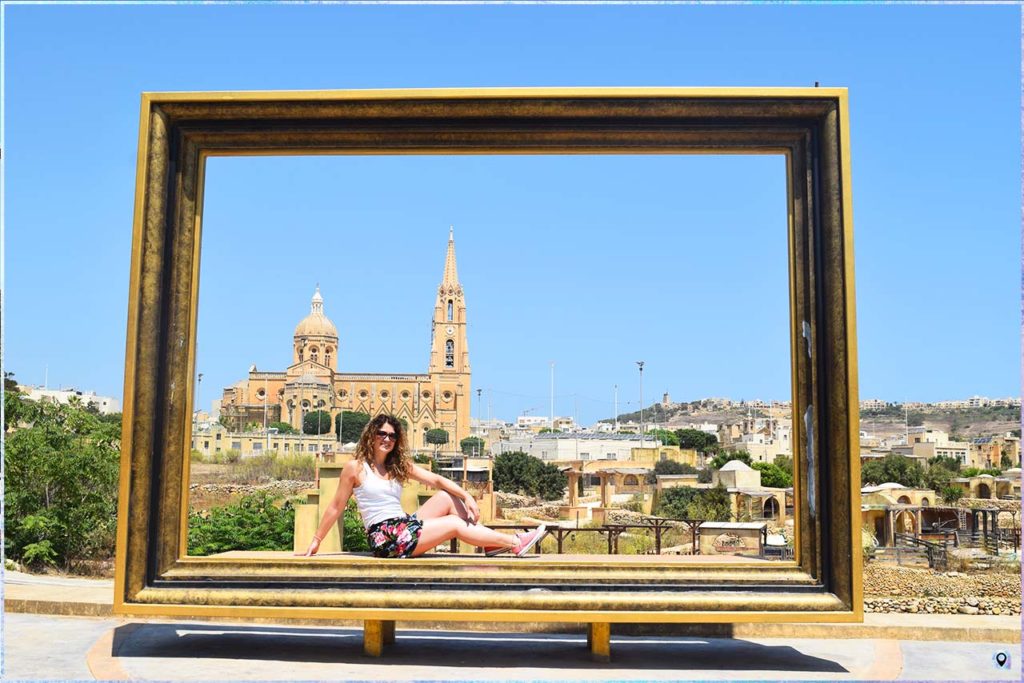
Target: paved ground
(42, 642)
(41, 647)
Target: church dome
(316, 324)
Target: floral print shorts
(395, 537)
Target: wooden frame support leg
(377, 634)
(599, 641)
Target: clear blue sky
(591, 262)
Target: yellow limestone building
(439, 398)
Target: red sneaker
(528, 540)
(492, 550)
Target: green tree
(549, 430)
(784, 463)
(666, 437)
(674, 502)
(684, 502)
(437, 437)
(60, 485)
(349, 425)
(673, 467)
(704, 476)
(951, 494)
(252, 523)
(892, 468)
(472, 445)
(725, 456)
(946, 461)
(696, 439)
(938, 475)
(711, 505)
(283, 428)
(316, 422)
(1005, 461)
(14, 407)
(518, 472)
(773, 476)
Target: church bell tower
(449, 352)
(449, 355)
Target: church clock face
(450, 330)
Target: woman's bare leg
(440, 505)
(437, 530)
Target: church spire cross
(451, 274)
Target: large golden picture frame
(179, 131)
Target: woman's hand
(314, 546)
(472, 509)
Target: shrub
(60, 486)
(355, 535)
(283, 428)
(272, 466)
(252, 523)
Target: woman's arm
(334, 510)
(450, 487)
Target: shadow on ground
(457, 649)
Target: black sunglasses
(387, 435)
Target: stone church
(438, 398)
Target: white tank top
(378, 498)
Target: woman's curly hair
(397, 462)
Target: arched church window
(313, 354)
(449, 354)
(327, 356)
(451, 309)
(300, 354)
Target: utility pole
(616, 393)
(640, 364)
(552, 395)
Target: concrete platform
(109, 649)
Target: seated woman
(375, 476)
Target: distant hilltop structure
(436, 399)
(104, 404)
(961, 404)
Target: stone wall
(889, 588)
(274, 488)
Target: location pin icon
(1001, 658)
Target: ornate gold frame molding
(178, 131)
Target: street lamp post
(266, 399)
(199, 385)
(640, 364)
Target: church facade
(438, 398)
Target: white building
(531, 421)
(105, 404)
(582, 446)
